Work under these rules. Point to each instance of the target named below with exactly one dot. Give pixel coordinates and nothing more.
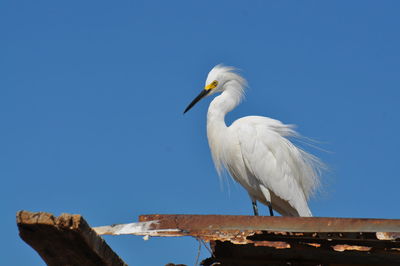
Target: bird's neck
(216, 127)
(223, 104)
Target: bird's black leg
(255, 208)
(271, 212)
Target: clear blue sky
(92, 95)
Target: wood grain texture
(65, 240)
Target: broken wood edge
(65, 240)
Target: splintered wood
(65, 240)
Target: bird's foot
(271, 212)
(255, 207)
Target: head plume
(222, 78)
(224, 74)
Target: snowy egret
(256, 150)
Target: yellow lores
(211, 86)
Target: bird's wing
(272, 159)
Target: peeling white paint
(141, 228)
(387, 236)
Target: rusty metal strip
(263, 240)
(258, 230)
(266, 223)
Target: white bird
(256, 150)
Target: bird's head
(217, 80)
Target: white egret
(256, 150)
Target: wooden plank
(65, 240)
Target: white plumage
(256, 150)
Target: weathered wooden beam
(235, 240)
(65, 240)
(258, 240)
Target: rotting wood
(240, 240)
(250, 240)
(65, 240)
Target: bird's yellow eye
(212, 85)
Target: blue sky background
(92, 95)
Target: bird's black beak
(202, 94)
